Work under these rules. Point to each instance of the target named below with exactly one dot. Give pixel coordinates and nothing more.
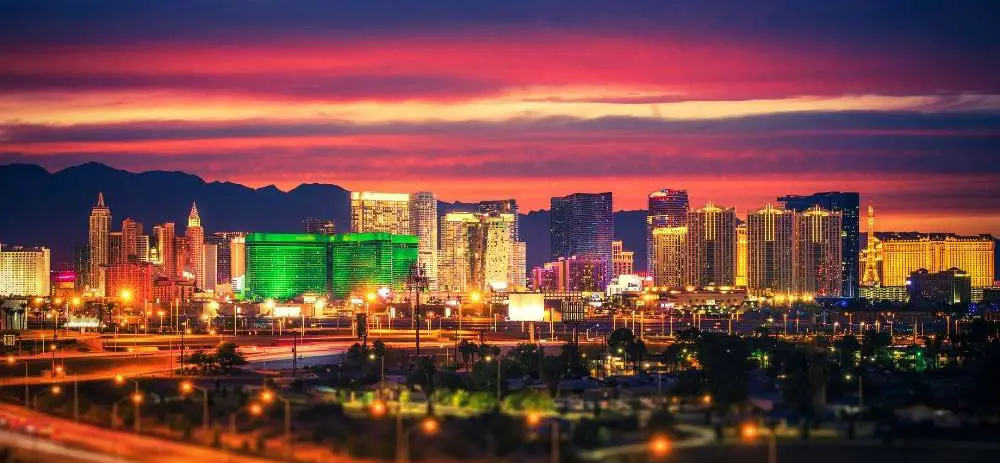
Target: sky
(737, 102)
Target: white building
(380, 212)
(424, 224)
(24, 271)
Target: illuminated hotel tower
(459, 250)
(742, 240)
(380, 212)
(670, 255)
(196, 246)
(818, 252)
(583, 225)
(667, 208)
(424, 224)
(905, 253)
(98, 234)
(870, 255)
(711, 238)
(771, 250)
(622, 260)
(131, 235)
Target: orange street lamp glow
(371, 296)
(660, 445)
(119, 379)
(137, 398)
(76, 301)
(266, 396)
(378, 408)
(475, 296)
(534, 418)
(748, 431)
(10, 359)
(186, 387)
(706, 399)
(256, 409)
(126, 295)
(56, 389)
(429, 425)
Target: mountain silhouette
(52, 208)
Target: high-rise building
(134, 277)
(100, 228)
(166, 247)
(319, 226)
(622, 261)
(503, 206)
(930, 289)
(667, 208)
(424, 224)
(211, 266)
(380, 212)
(24, 271)
(143, 249)
(500, 252)
(742, 259)
(460, 252)
(129, 248)
(519, 266)
(771, 251)
(81, 265)
(711, 238)
(285, 265)
(195, 235)
(182, 256)
(904, 253)
(224, 255)
(237, 254)
(849, 206)
(818, 253)
(115, 248)
(670, 256)
(583, 225)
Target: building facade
(848, 204)
(742, 256)
(135, 278)
(904, 253)
(459, 254)
(622, 261)
(98, 232)
(195, 235)
(667, 208)
(583, 225)
(373, 212)
(670, 256)
(503, 206)
(572, 274)
(130, 237)
(711, 238)
(930, 289)
(771, 251)
(818, 253)
(24, 271)
(424, 225)
(319, 226)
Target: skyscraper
(81, 265)
(115, 248)
(195, 235)
(849, 206)
(904, 253)
(667, 208)
(380, 212)
(711, 237)
(166, 246)
(224, 255)
(742, 241)
(460, 232)
(100, 228)
(670, 256)
(583, 225)
(237, 254)
(503, 206)
(499, 253)
(424, 224)
(211, 266)
(771, 250)
(623, 261)
(24, 271)
(817, 251)
(131, 231)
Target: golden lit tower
(380, 212)
(670, 256)
(99, 233)
(195, 235)
(741, 255)
(870, 256)
(711, 238)
(818, 252)
(771, 250)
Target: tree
(573, 361)
(806, 376)
(636, 353)
(526, 358)
(552, 372)
(468, 351)
(423, 374)
(201, 360)
(725, 368)
(228, 356)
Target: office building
(933, 289)
(503, 206)
(237, 256)
(24, 271)
(818, 253)
(479, 252)
(211, 266)
(285, 265)
(195, 235)
(319, 226)
(98, 231)
(667, 208)
(424, 225)
(500, 253)
(848, 204)
(622, 261)
(742, 256)
(224, 254)
(135, 278)
(143, 249)
(771, 251)
(571, 274)
(711, 238)
(900, 254)
(115, 248)
(583, 225)
(166, 247)
(380, 212)
(81, 265)
(670, 256)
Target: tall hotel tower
(667, 208)
(100, 229)
(196, 245)
(711, 238)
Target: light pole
(55, 389)
(268, 396)
(254, 409)
(136, 398)
(187, 387)
(488, 358)
(382, 358)
(10, 361)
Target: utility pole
(295, 354)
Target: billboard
(526, 307)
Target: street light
(255, 409)
(749, 432)
(488, 358)
(186, 388)
(55, 389)
(659, 445)
(267, 396)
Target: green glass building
(285, 265)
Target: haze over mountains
(51, 208)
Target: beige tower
(195, 235)
(380, 213)
(711, 238)
(771, 251)
(98, 234)
(424, 224)
(818, 252)
(670, 256)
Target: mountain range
(51, 208)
